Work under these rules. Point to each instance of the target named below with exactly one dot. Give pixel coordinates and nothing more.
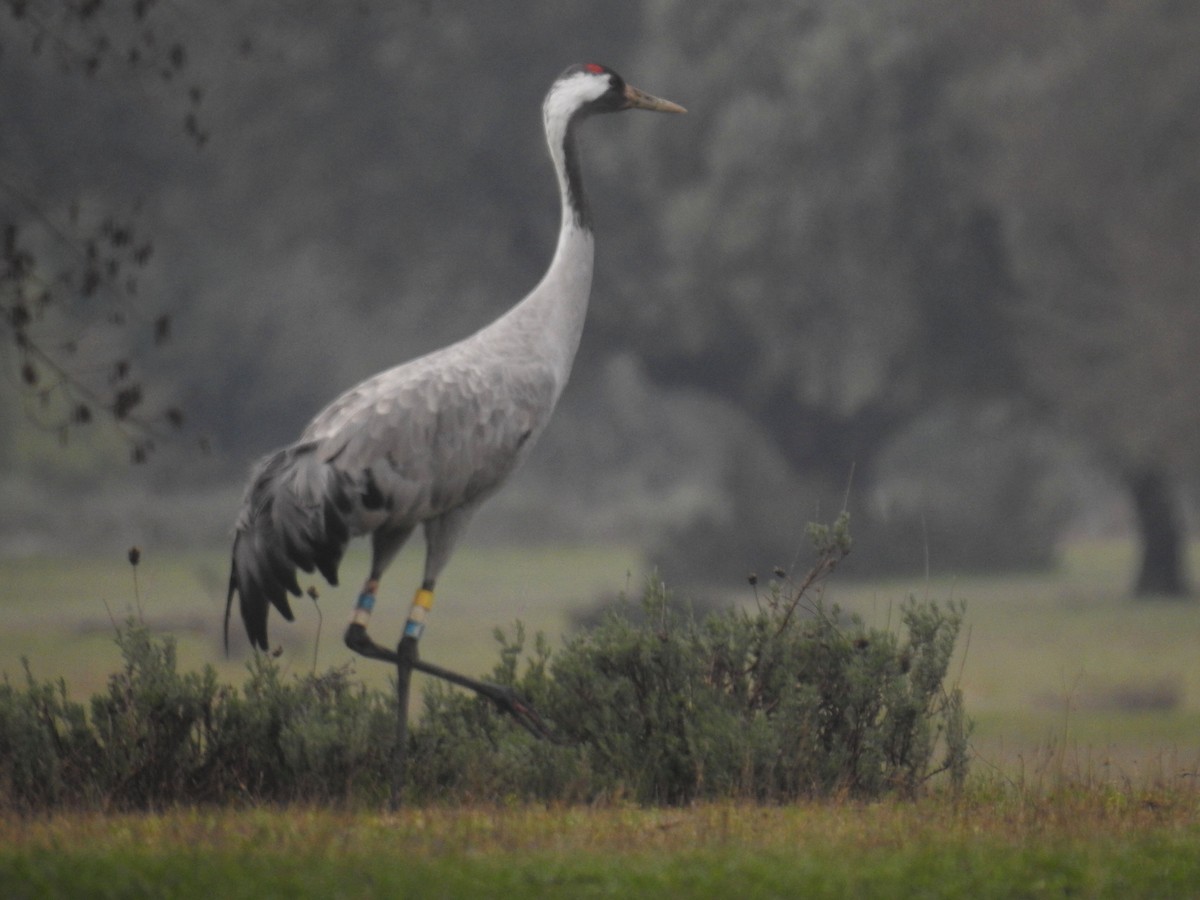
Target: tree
(828, 265)
(377, 185)
(892, 207)
(1096, 171)
(69, 268)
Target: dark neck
(574, 199)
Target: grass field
(1060, 662)
(1084, 781)
(60, 615)
(1066, 663)
(1090, 845)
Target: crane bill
(641, 100)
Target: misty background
(934, 261)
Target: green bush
(314, 738)
(150, 724)
(656, 704)
(653, 703)
(47, 749)
(158, 737)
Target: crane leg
(406, 653)
(360, 642)
(356, 637)
(406, 658)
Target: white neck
(561, 298)
(546, 326)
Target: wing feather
(409, 445)
(290, 517)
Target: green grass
(1067, 660)
(1085, 781)
(60, 613)
(1056, 666)
(1081, 844)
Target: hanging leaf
(127, 398)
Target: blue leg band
(366, 602)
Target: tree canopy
(892, 249)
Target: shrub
(157, 737)
(314, 738)
(790, 700)
(150, 723)
(46, 746)
(654, 703)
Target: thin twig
(312, 593)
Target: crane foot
(509, 701)
(506, 699)
(360, 642)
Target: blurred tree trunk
(1162, 567)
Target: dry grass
(992, 809)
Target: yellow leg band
(415, 626)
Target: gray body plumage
(424, 443)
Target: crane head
(593, 88)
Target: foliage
(46, 747)
(80, 271)
(790, 700)
(69, 267)
(158, 736)
(936, 202)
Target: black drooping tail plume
(295, 514)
